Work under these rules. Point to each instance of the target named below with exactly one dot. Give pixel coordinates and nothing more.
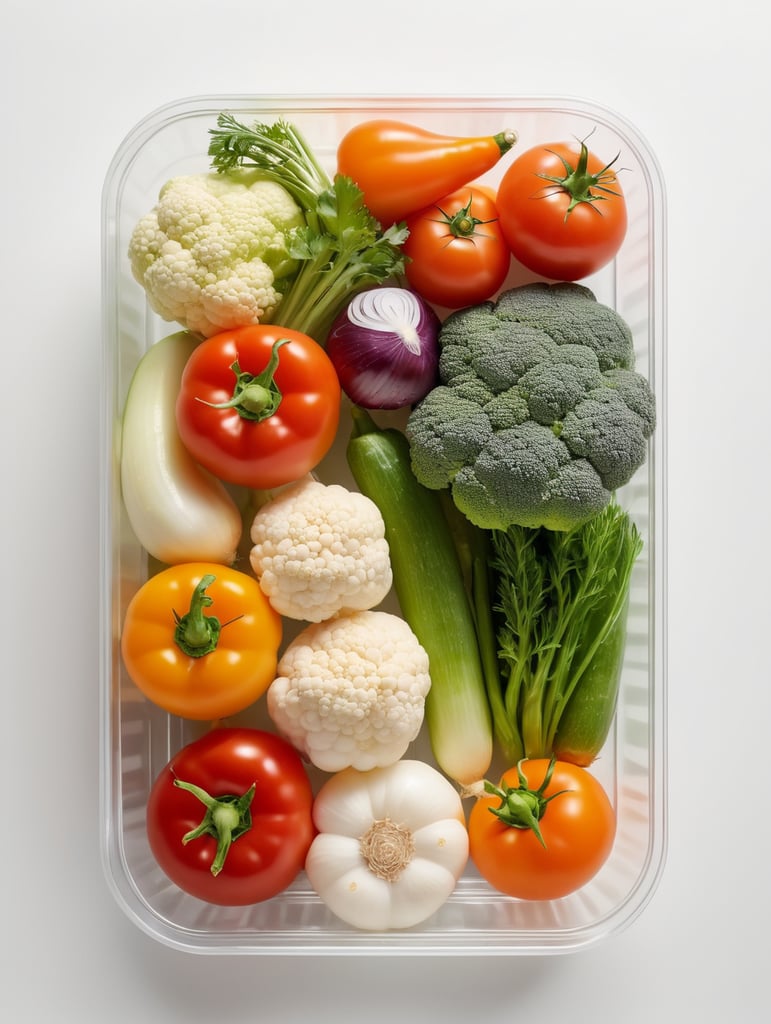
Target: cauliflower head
(539, 415)
(350, 692)
(212, 254)
(319, 550)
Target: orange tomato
(457, 254)
(573, 834)
(193, 664)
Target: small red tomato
(259, 405)
(544, 832)
(229, 817)
(562, 211)
(457, 253)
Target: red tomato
(263, 833)
(458, 255)
(562, 211)
(573, 815)
(258, 405)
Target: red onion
(384, 346)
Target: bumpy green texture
(539, 416)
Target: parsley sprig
(342, 248)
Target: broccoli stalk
(342, 248)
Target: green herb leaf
(342, 246)
(559, 595)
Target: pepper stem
(226, 818)
(255, 396)
(520, 806)
(505, 140)
(197, 634)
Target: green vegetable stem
(520, 806)
(563, 599)
(195, 633)
(226, 818)
(255, 396)
(342, 249)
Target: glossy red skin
(457, 270)
(532, 216)
(273, 451)
(578, 828)
(262, 862)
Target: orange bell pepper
(193, 664)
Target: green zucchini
(430, 587)
(585, 722)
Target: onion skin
(385, 348)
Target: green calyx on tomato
(578, 182)
(196, 634)
(255, 396)
(272, 820)
(226, 818)
(456, 251)
(292, 423)
(522, 807)
(462, 223)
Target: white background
(694, 79)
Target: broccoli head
(539, 415)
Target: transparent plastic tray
(137, 738)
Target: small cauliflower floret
(350, 692)
(213, 253)
(319, 550)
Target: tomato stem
(226, 818)
(579, 184)
(197, 634)
(520, 806)
(255, 396)
(463, 223)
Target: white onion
(384, 346)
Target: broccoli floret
(454, 433)
(527, 472)
(539, 415)
(569, 313)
